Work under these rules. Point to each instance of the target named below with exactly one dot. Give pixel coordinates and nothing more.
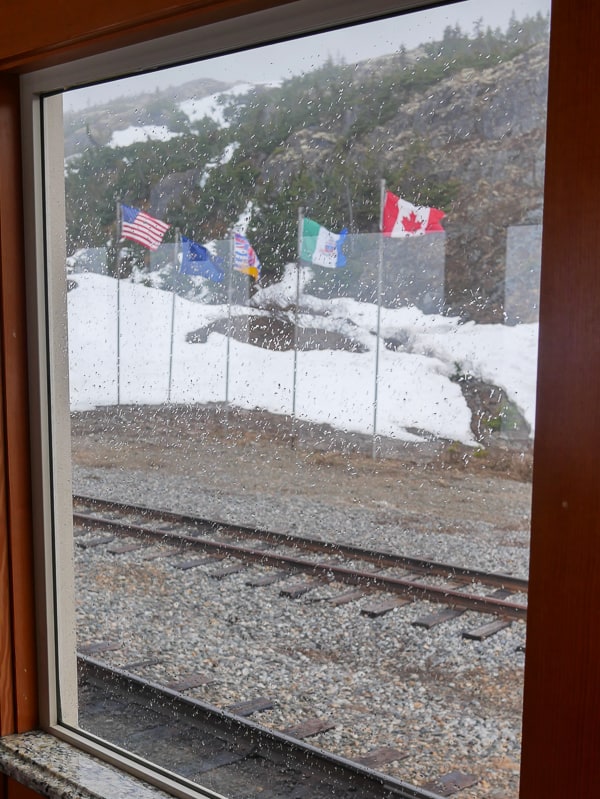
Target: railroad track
(226, 753)
(230, 748)
(366, 571)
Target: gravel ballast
(445, 702)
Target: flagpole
(229, 300)
(118, 275)
(175, 259)
(375, 451)
(295, 372)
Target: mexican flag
(401, 218)
(322, 247)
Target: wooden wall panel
(17, 504)
(15, 790)
(7, 719)
(561, 730)
(35, 34)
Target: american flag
(142, 228)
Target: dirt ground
(259, 452)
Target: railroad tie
(163, 553)
(231, 568)
(486, 630)
(266, 579)
(251, 706)
(122, 549)
(94, 542)
(439, 617)
(451, 783)
(381, 756)
(297, 590)
(307, 728)
(349, 596)
(375, 609)
(185, 565)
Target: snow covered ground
(414, 383)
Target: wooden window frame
(561, 724)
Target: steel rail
(329, 571)
(425, 566)
(279, 748)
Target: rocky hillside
(481, 133)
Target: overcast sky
(279, 61)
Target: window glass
(301, 290)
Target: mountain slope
(458, 124)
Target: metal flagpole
(375, 451)
(118, 275)
(176, 270)
(229, 300)
(295, 372)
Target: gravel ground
(446, 703)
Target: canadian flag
(401, 218)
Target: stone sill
(58, 770)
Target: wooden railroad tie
(439, 617)
(349, 596)
(486, 630)
(165, 553)
(307, 728)
(251, 706)
(297, 590)
(381, 757)
(451, 783)
(375, 609)
(122, 549)
(185, 565)
(94, 542)
(231, 568)
(265, 579)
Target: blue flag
(196, 260)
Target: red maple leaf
(411, 224)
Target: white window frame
(47, 322)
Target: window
(269, 399)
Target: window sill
(58, 770)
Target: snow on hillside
(134, 133)
(212, 105)
(195, 109)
